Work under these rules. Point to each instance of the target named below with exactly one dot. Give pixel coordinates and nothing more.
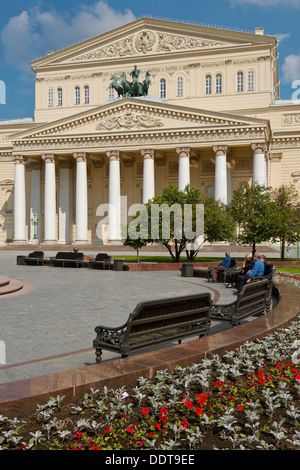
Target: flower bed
(246, 399)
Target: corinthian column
(183, 167)
(220, 173)
(259, 164)
(19, 200)
(114, 212)
(81, 199)
(35, 201)
(148, 175)
(50, 200)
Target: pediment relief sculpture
(148, 42)
(129, 120)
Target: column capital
(183, 151)
(19, 159)
(220, 149)
(259, 147)
(148, 153)
(113, 155)
(80, 156)
(48, 157)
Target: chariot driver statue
(135, 80)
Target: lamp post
(34, 222)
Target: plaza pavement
(49, 326)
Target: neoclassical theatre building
(210, 116)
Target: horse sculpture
(116, 86)
(135, 88)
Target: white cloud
(291, 68)
(281, 36)
(32, 33)
(266, 3)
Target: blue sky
(28, 29)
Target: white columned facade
(50, 200)
(148, 175)
(35, 202)
(220, 173)
(19, 200)
(65, 211)
(114, 193)
(81, 198)
(183, 167)
(259, 164)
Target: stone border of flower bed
(21, 398)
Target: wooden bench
(254, 299)
(35, 258)
(68, 258)
(101, 261)
(156, 322)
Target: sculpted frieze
(129, 120)
(148, 42)
(291, 119)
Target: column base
(114, 242)
(50, 242)
(34, 242)
(81, 242)
(20, 242)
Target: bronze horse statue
(116, 87)
(136, 88)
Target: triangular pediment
(149, 37)
(136, 115)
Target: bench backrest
(164, 314)
(36, 254)
(233, 263)
(102, 257)
(253, 297)
(69, 255)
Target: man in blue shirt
(226, 263)
(258, 270)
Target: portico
(63, 186)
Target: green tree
(173, 217)
(137, 244)
(251, 208)
(285, 215)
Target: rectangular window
(240, 81)
(163, 91)
(86, 95)
(180, 86)
(77, 95)
(59, 97)
(251, 80)
(219, 83)
(50, 97)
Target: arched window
(251, 80)
(77, 95)
(208, 84)
(240, 81)
(50, 97)
(163, 88)
(218, 83)
(59, 97)
(86, 94)
(179, 86)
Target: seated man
(225, 264)
(258, 270)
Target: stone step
(11, 287)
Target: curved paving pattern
(21, 397)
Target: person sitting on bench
(258, 270)
(222, 266)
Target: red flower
(151, 434)
(158, 425)
(199, 411)
(77, 435)
(145, 411)
(107, 430)
(240, 407)
(185, 423)
(189, 404)
(95, 448)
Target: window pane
(180, 86)
(219, 83)
(50, 97)
(59, 97)
(240, 81)
(77, 95)
(208, 84)
(163, 88)
(251, 80)
(111, 93)
(86, 94)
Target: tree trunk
(253, 249)
(282, 255)
(137, 253)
